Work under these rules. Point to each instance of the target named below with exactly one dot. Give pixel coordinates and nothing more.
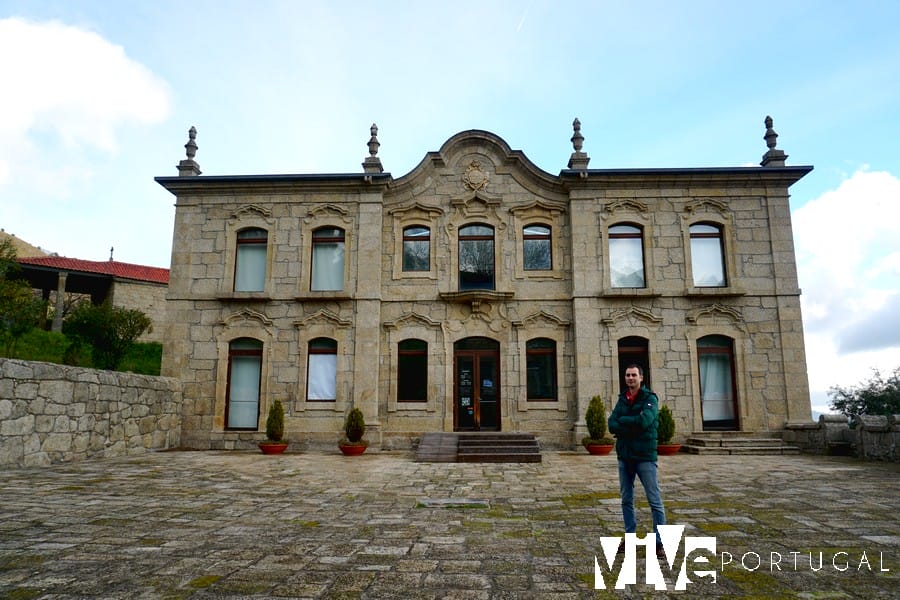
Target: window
(412, 371)
(244, 369)
(717, 393)
(634, 350)
(250, 263)
(321, 372)
(476, 257)
(707, 255)
(536, 251)
(626, 256)
(327, 259)
(416, 249)
(540, 364)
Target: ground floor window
(412, 371)
(321, 372)
(540, 361)
(718, 399)
(242, 396)
(634, 350)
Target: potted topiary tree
(596, 441)
(352, 443)
(274, 443)
(665, 432)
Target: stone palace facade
(479, 292)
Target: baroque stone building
(479, 292)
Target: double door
(477, 385)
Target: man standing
(634, 421)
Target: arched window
(416, 248)
(634, 350)
(540, 364)
(626, 256)
(536, 251)
(321, 370)
(412, 371)
(327, 259)
(708, 255)
(242, 395)
(476, 257)
(718, 397)
(250, 261)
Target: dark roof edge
(176, 182)
(791, 173)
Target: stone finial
(111, 248)
(372, 164)
(579, 159)
(773, 157)
(189, 167)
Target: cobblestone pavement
(319, 525)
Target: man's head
(634, 376)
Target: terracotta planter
(272, 447)
(667, 449)
(352, 449)
(599, 449)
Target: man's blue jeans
(646, 471)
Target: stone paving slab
(203, 525)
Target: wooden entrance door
(476, 385)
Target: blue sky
(98, 97)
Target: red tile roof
(110, 267)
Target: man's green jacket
(634, 425)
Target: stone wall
(875, 438)
(53, 413)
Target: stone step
(729, 442)
(498, 457)
(478, 447)
(767, 449)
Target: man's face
(633, 379)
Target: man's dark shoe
(660, 553)
(621, 549)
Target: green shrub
(354, 426)
(275, 422)
(666, 426)
(595, 418)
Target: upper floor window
(707, 255)
(536, 250)
(540, 364)
(321, 370)
(242, 395)
(327, 259)
(476, 257)
(416, 248)
(250, 263)
(412, 371)
(626, 256)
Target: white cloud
(848, 260)
(67, 90)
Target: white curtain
(243, 401)
(328, 266)
(322, 384)
(715, 387)
(626, 262)
(250, 274)
(706, 262)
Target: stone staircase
(736, 442)
(477, 447)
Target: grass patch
(757, 584)
(587, 500)
(204, 581)
(303, 523)
(49, 346)
(23, 593)
(713, 527)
